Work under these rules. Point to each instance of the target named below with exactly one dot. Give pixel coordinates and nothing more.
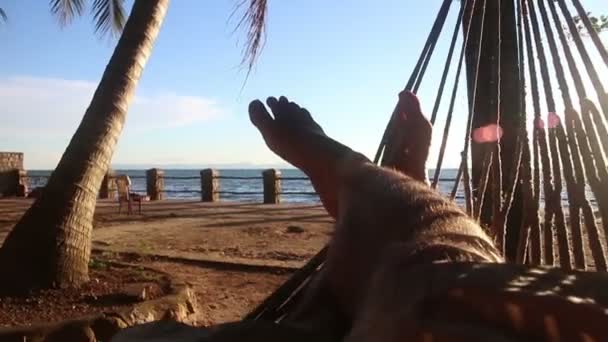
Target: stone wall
(10, 161)
(11, 174)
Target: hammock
(550, 150)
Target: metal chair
(123, 186)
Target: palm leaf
(3, 15)
(255, 20)
(66, 10)
(109, 16)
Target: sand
(209, 245)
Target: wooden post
(155, 184)
(108, 186)
(210, 185)
(272, 186)
(13, 183)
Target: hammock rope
(579, 135)
(593, 136)
(530, 225)
(448, 122)
(271, 307)
(591, 70)
(429, 47)
(456, 183)
(554, 199)
(448, 63)
(419, 70)
(570, 164)
(576, 192)
(592, 33)
(536, 247)
(469, 126)
(540, 138)
(483, 183)
(499, 217)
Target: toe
(273, 103)
(278, 107)
(306, 114)
(283, 109)
(409, 103)
(297, 115)
(293, 107)
(259, 116)
(410, 113)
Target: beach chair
(123, 186)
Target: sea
(185, 184)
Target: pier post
(13, 178)
(155, 184)
(272, 186)
(210, 185)
(22, 183)
(13, 183)
(108, 186)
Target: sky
(344, 60)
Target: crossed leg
(296, 137)
(393, 265)
(374, 206)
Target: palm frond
(66, 10)
(109, 16)
(3, 16)
(255, 20)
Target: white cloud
(51, 108)
(173, 110)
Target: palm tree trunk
(50, 246)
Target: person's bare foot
(294, 136)
(408, 148)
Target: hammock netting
(540, 73)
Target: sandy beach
(234, 254)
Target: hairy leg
(292, 133)
(374, 206)
(380, 207)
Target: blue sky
(344, 60)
